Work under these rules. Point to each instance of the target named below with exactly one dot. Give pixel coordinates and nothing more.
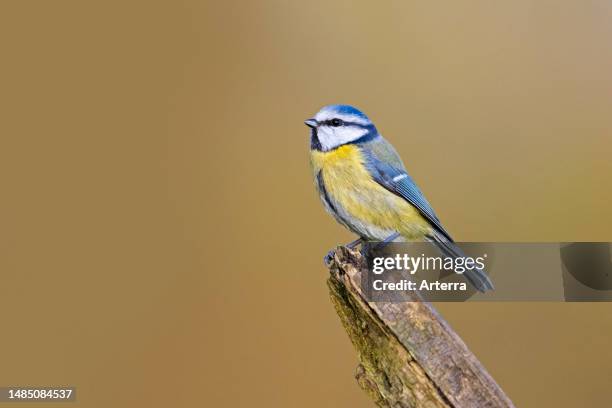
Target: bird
(363, 183)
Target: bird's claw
(328, 259)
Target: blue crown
(346, 110)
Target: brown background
(161, 238)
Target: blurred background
(162, 241)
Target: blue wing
(395, 179)
(387, 169)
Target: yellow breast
(349, 184)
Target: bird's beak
(311, 123)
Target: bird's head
(337, 125)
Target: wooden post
(409, 356)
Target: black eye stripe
(345, 123)
(335, 122)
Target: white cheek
(326, 138)
(353, 133)
(346, 135)
(331, 138)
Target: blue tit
(363, 184)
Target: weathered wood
(409, 356)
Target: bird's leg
(387, 240)
(353, 244)
(370, 248)
(330, 255)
